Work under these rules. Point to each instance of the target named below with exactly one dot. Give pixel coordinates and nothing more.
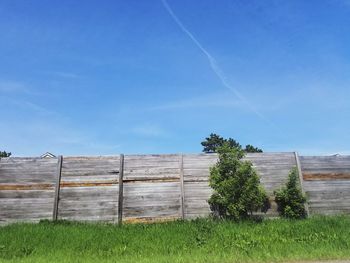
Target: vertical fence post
(120, 199)
(182, 187)
(301, 181)
(57, 187)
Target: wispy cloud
(28, 106)
(345, 2)
(34, 137)
(208, 101)
(149, 130)
(62, 74)
(18, 95)
(35, 107)
(12, 86)
(212, 62)
(15, 87)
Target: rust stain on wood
(27, 187)
(114, 182)
(88, 183)
(153, 180)
(80, 184)
(325, 177)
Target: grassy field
(190, 241)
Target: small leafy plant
(290, 199)
(237, 189)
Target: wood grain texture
(151, 167)
(327, 183)
(89, 188)
(26, 189)
(146, 200)
(152, 187)
(23, 171)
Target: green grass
(182, 241)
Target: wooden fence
(134, 188)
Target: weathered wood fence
(134, 188)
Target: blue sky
(109, 77)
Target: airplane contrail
(213, 64)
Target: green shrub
(290, 199)
(4, 154)
(236, 184)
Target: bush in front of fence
(237, 189)
(290, 199)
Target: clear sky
(109, 77)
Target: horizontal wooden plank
(146, 204)
(90, 218)
(18, 170)
(175, 195)
(68, 159)
(72, 213)
(19, 194)
(152, 211)
(97, 192)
